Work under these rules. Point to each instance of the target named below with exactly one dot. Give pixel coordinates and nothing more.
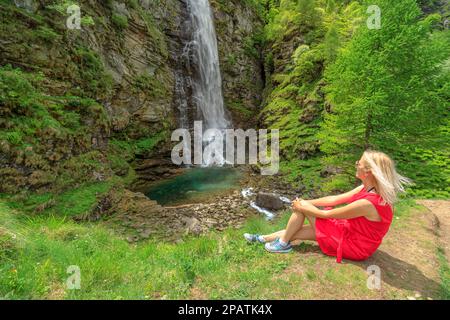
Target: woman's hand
(298, 203)
(305, 203)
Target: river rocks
(136, 217)
(269, 201)
(192, 225)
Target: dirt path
(441, 208)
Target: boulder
(269, 201)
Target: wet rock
(269, 201)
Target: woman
(354, 231)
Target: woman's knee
(297, 212)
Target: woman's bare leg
(305, 233)
(295, 223)
(271, 237)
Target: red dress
(357, 238)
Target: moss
(47, 34)
(118, 164)
(230, 63)
(119, 21)
(239, 108)
(251, 47)
(127, 148)
(87, 167)
(37, 130)
(155, 33)
(147, 144)
(150, 85)
(303, 174)
(93, 77)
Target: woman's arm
(355, 209)
(335, 200)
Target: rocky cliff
(98, 102)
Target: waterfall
(206, 79)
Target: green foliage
(384, 88)
(295, 101)
(292, 16)
(87, 21)
(37, 129)
(253, 44)
(147, 144)
(129, 147)
(150, 85)
(47, 34)
(79, 200)
(120, 21)
(61, 6)
(94, 78)
(240, 109)
(17, 93)
(231, 60)
(154, 32)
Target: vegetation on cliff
(336, 87)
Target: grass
(36, 252)
(44, 247)
(444, 271)
(70, 203)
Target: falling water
(206, 82)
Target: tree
(384, 88)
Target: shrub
(120, 21)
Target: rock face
(269, 201)
(109, 99)
(126, 60)
(238, 27)
(29, 5)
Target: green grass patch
(37, 251)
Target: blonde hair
(388, 181)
